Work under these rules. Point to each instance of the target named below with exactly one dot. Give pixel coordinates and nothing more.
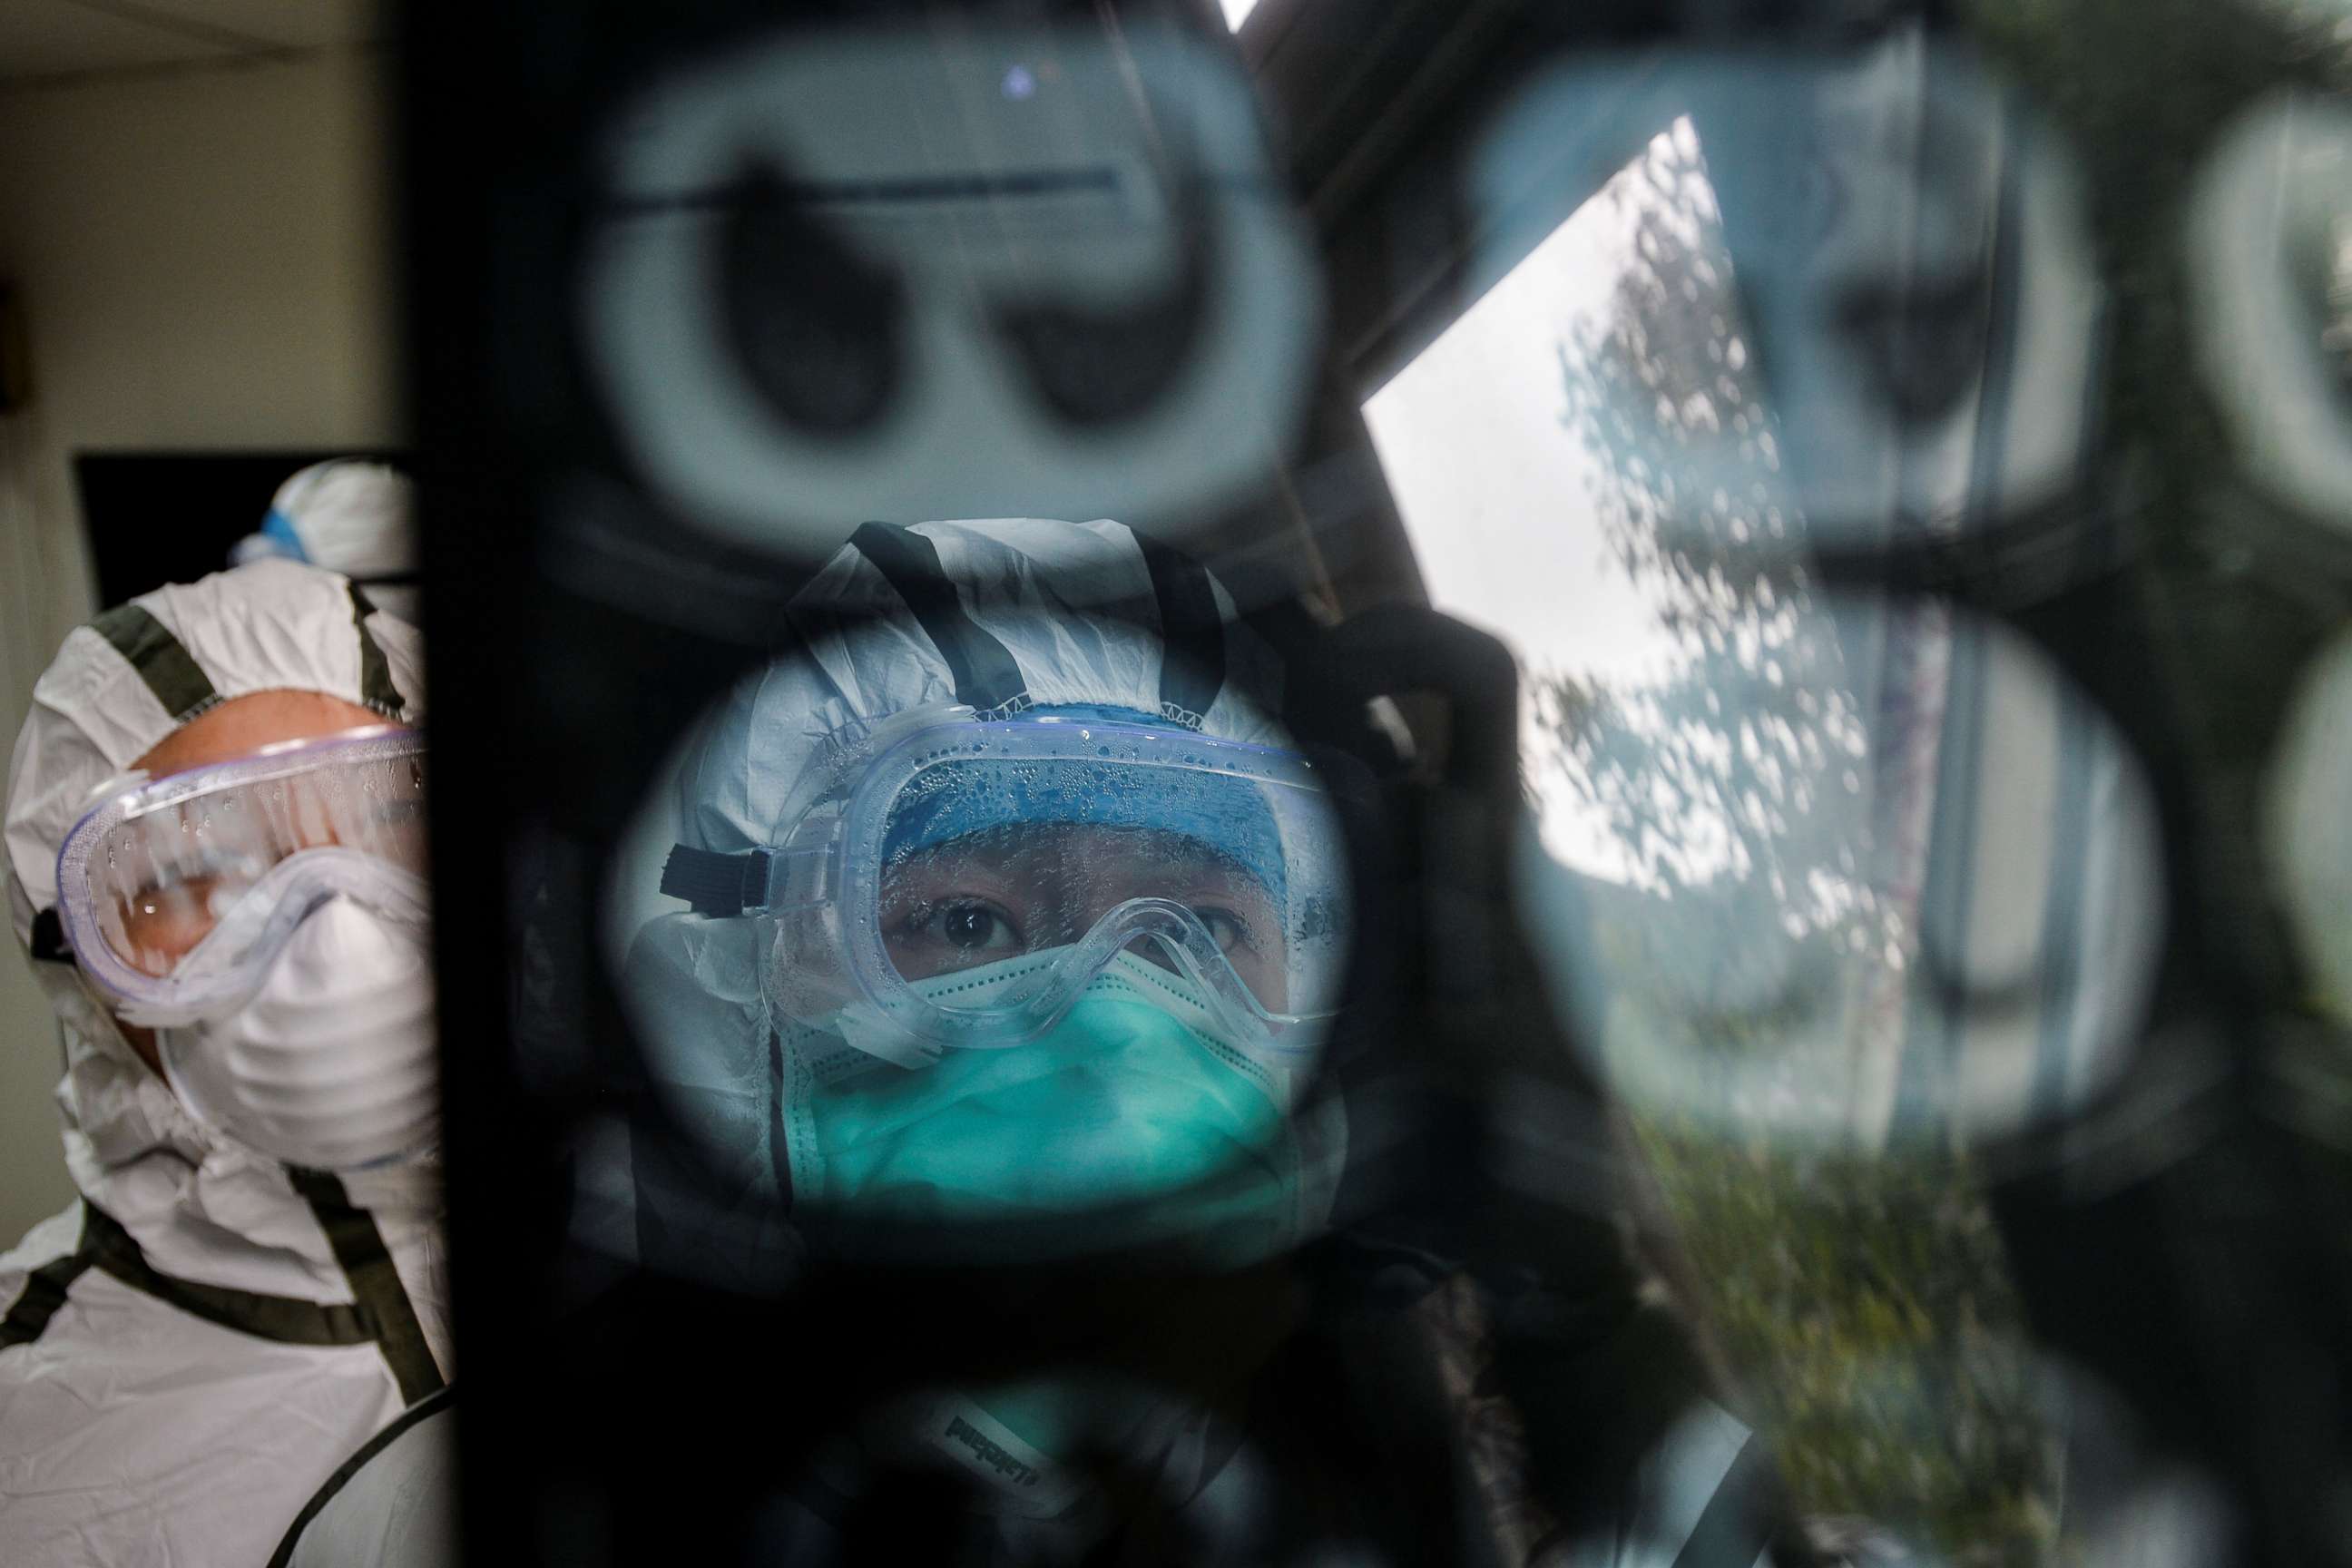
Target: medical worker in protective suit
(1013, 913)
(214, 833)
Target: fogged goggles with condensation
(941, 844)
(176, 892)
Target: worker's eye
(954, 933)
(161, 925)
(1230, 931)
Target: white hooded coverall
(194, 1347)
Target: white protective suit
(189, 1351)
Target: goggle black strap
(986, 676)
(163, 662)
(1192, 633)
(715, 883)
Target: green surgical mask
(1128, 1121)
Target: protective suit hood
(1007, 612)
(349, 516)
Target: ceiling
(41, 40)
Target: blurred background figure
(351, 517)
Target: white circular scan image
(992, 274)
(1895, 280)
(2269, 235)
(1963, 947)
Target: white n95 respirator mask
(332, 1064)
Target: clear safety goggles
(942, 843)
(175, 892)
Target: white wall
(205, 263)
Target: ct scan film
(1364, 781)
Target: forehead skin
(246, 724)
